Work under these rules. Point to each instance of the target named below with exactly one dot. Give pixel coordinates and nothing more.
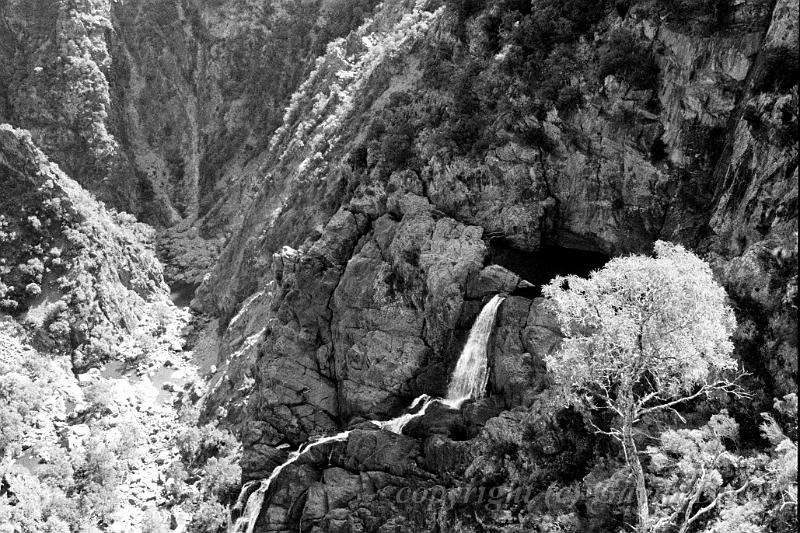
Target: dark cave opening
(541, 266)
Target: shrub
(33, 289)
(197, 444)
(779, 71)
(569, 98)
(624, 57)
(153, 522)
(700, 16)
(210, 517)
(221, 478)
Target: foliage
(207, 477)
(779, 70)
(20, 397)
(703, 479)
(626, 57)
(700, 17)
(642, 335)
(198, 444)
(210, 517)
(660, 323)
(221, 478)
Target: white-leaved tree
(642, 335)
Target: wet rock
(439, 420)
(259, 460)
(382, 451)
(444, 455)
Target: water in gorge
(252, 509)
(467, 382)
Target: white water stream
(468, 381)
(247, 521)
(472, 370)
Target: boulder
(492, 280)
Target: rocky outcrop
(397, 307)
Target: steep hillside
(157, 107)
(84, 278)
(440, 152)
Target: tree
(642, 335)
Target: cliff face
(754, 212)
(407, 175)
(157, 107)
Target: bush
(569, 98)
(700, 16)
(197, 444)
(624, 56)
(779, 71)
(221, 478)
(210, 517)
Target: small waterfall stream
(472, 370)
(252, 509)
(468, 381)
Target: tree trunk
(642, 511)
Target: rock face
(367, 276)
(754, 215)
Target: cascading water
(247, 522)
(468, 381)
(472, 370)
(396, 425)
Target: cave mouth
(544, 264)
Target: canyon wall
(377, 234)
(350, 186)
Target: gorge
(290, 259)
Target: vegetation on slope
(84, 277)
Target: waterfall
(247, 522)
(468, 381)
(396, 425)
(472, 370)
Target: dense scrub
(82, 276)
(74, 454)
(501, 69)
